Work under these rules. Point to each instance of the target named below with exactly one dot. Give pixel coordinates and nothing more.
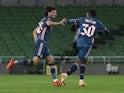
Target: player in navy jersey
(88, 27)
(41, 35)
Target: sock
(52, 68)
(24, 62)
(82, 70)
(81, 80)
(54, 80)
(72, 69)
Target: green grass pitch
(43, 84)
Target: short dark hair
(92, 12)
(48, 9)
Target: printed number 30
(88, 30)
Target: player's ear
(48, 13)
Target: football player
(41, 35)
(88, 27)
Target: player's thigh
(83, 53)
(40, 50)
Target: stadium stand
(17, 24)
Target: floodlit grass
(43, 84)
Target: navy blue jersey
(43, 30)
(88, 28)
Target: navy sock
(82, 70)
(72, 69)
(24, 62)
(52, 68)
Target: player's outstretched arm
(62, 22)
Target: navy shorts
(41, 50)
(83, 52)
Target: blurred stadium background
(18, 18)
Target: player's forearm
(35, 34)
(62, 22)
(53, 23)
(106, 31)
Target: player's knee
(51, 62)
(35, 61)
(84, 61)
(50, 59)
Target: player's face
(52, 14)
